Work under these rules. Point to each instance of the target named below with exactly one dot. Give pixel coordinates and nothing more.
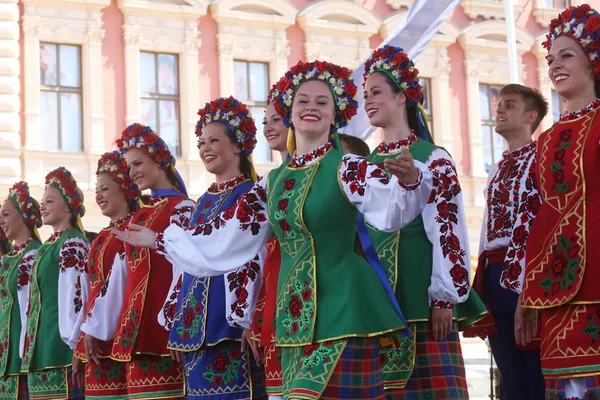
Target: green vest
(326, 289)
(44, 348)
(10, 315)
(407, 257)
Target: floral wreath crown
(582, 23)
(113, 163)
(20, 196)
(339, 80)
(143, 138)
(394, 62)
(62, 180)
(235, 116)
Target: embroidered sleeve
(73, 286)
(23, 279)
(385, 203)
(446, 227)
(528, 202)
(231, 238)
(180, 217)
(242, 288)
(102, 319)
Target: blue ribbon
(165, 192)
(373, 259)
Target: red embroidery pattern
(558, 175)
(170, 305)
(228, 184)
(24, 273)
(580, 113)
(250, 212)
(307, 159)
(238, 283)
(357, 171)
(282, 206)
(398, 145)
(445, 190)
(73, 254)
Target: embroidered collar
(54, 237)
(394, 147)
(20, 247)
(228, 184)
(307, 159)
(119, 221)
(520, 152)
(580, 113)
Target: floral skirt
(14, 387)
(142, 378)
(52, 384)
(223, 372)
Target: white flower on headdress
(579, 29)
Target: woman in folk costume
(19, 219)
(57, 294)
(263, 324)
(212, 312)
(140, 341)
(331, 306)
(562, 273)
(428, 260)
(118, 198)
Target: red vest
(561, 249)
(148, 282)
(103, 250)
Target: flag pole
(512, 42)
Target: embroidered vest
(326, 289)
(44, 348)
(10, 316)
(407, 256)
(103, 251)
(148, 282)
(561, 248)
(200, 317)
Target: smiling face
(569, 68)
(382, 104)
(275, 130)
(218, 153)
(53, 207)
(313, 109)
(10, 220)
(143, 170)
(110, 197)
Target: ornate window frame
(338, 31)
(543, 15)
(488, 9)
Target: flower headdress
(235, 116)
(581, 23)
(21, 198)
(62, 180)
(393, 62)
(143, 138)
(114, 164)
(339, 79)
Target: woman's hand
(92, 349)
(177, 356)
(78, 373)
(256, 349)
(441, 323)
(403, 167)
(137, 236)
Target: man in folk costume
(512, 202)
(563, 266)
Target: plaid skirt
(14, 387)
(52, 384)
(338, 369)
(555, 389)
(439, 369)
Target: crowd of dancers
(341, 274)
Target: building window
(251, 86)
(493, 144)
(560, 4)
(559, 106)
(60, 97)
(159, 92)
(426, 85)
